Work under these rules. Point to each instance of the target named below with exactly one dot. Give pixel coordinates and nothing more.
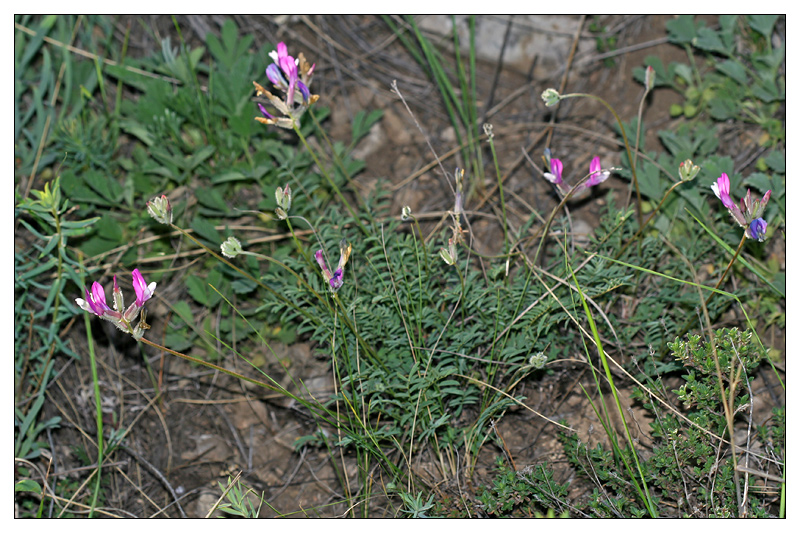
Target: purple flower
(304, 91)
(748, 213)
(95, 300)
(596, 174)
(275, 76)
(335, 280)
(722, 188)
(556, 168)
(757, 229)
(290, 76)
(289, 67)
(143, 291)
(264, 111)
(96, 304)
(326, 273)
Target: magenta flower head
(289, 67)
(95, 303)
(556, 168)
(143, 291)
(596, 174)
(95, 300)
(291, 76)
(748, 214)
(722, 188)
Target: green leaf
(228, 176)
(776, 161)
(734, 70)
(200, 290)
(107, 187)
(362, 123)
(243, 286)
(27, 485)
(229, 50)
(206, 231)
(708, 39)
(682, 29)
(722, 108)
(684, 72)
(760, 181)
(199, 156)
(763, 24)
(211, 197)
(108, 228)
(135, 129)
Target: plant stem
(624, 139)
(330, 180)
(500, 187)
(646, 222)
(730, 264)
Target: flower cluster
(292, 77)
(596, 174)
(748, 216)
(95, 303)
(336, 279)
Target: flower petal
(143, 291)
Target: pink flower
(143, 291)
(95, 303)
(556, 168)
(748, 215)
(722, 188)
(326, 273)
(95, 300)
(289, 67)
(289, 75)
(596, 174)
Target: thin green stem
(330, 180)
(98, 407)
(337, 160)
(500, 187)
(646, 222)
(639, 126)
(212, 366)
(625, 141)
(730, 264)
(424, 246)
(643, 492)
